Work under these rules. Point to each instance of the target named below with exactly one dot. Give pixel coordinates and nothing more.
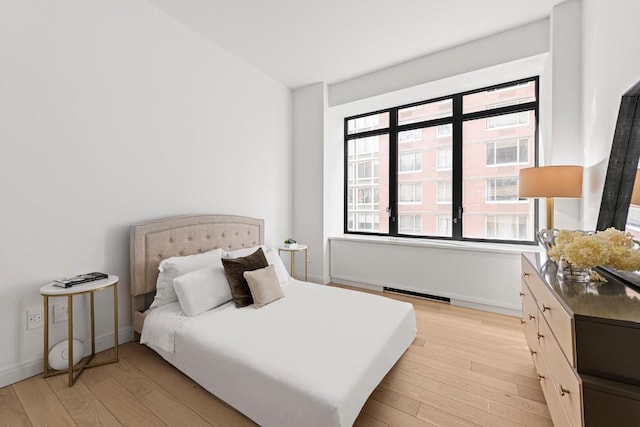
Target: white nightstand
(52, 290)
(292, 253)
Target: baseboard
(34, 367)
(459, 300)
(508, 311)
(417, 295)
(355, 284)
(314, 279)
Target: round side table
(292, 253)
(91, 288)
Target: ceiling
(299, 42)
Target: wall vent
(418, 294)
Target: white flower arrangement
(609, 248)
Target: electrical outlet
(35, 318)
(60, 313)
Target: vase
(569, 272)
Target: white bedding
(311, 358)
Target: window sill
(440, 244)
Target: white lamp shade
(550, 181)
(59, 354)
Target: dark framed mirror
(621, 171)
(623, 163)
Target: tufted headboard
(154, 241)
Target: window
(365, 147)
(444, 156)
(410, 135)
(425, 111)
(512, 151)
(500, 96)
(508, 120)
(507, 227)
(502, 189)
(364, 172)
(507, 88)
(410, 192)
(445, 167)
(367, 221)
(363, 198)
(443, 225)
(410, 224)
(444, 130)
(443, 193)
(410, 162)
(365, 186)
(366, 123)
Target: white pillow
(273, 258)
(238, 253)
(173, 267)
(202, 290)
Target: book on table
(67, 282)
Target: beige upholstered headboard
(154, 241)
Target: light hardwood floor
(465, 368)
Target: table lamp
(551, 182)
(635, 195)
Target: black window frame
(456, 119)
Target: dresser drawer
(558, 318)
(562, 376)
(530, 318)
(556, 410)
(528, 270)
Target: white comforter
(309, 359)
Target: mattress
(311, 358)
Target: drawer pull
(522, 322)
(533, 352)
(563, 391)
(540, 335)
(526, 274)
(531, 317)
(545, 308)
(521, 294)
(540, 377)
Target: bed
(311, 358)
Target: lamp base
(550, 212)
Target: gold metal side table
(292, 251)
(91, 288)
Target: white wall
(521, 42)
(112, 114)
(473, 277)
(611, 65)
(308, 205)
(566, 143)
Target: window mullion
(393, 171)
(457, 178)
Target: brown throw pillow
(264, 285)
(234, 269)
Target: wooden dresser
(585, 344)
